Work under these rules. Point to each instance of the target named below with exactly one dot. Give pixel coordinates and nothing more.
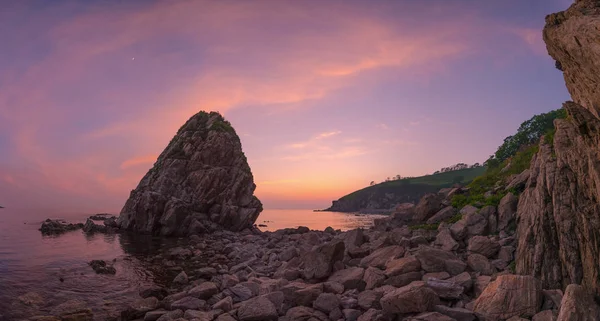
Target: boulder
(374, 315)
(484, 246)
(188, 303)
(139, 308)
(445, 241)
(297, 293)
(351, 314)
(257, 309)
(464, 279)
(350, 278)
(509, 296)
(402, 265)
(318, 264)
(302, 313)
(481, 264)
(442, 215)
(369, 299)
(430, 316)
(507, 210)
(353, 239)
(380, 257)
(578, 305)
(546, 315)
(56, 227)
(445, 289)
(519, 181)
(373, 278)
(225, 304)
(326, 302)
(181, 278)
(413, 298)
(204, 291)
(436, 260)
(458, 314)
(401, 280)
(201, 181)
(429, 205)
(101, 267)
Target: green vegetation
(454, 219)
(390, 193)
(529, 133)
(513, 267)
(431, 183)
(222, 126)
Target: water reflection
(56, 267)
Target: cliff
(559, 211)
(200, 183)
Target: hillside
(382, 197)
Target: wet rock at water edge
(101, 267)
(56, 227)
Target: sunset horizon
(325, 98)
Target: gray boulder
(507, 209)
(413, 298)
(257, 309)
(318, 264)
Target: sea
(37, 272)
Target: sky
(325, 95)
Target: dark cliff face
(201, 182)
(559, 211)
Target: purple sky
(326, 95)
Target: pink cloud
(99, 145)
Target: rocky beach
(522, 246)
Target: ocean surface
(54, 269)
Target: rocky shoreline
(396, 270)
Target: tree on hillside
(528, 133)
(372, 183)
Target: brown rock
(401, 266)
(509, 296)
(445, 241)
(435, 260)
(484, 246)
(427, 207)
(380, 257)
(445, 289)
(578, 305)
(318, 264)
(442, 215)
(507, 210)
(373, 278)
(401, 280)
(413, 298)
(481, 264)
(430, 316)
(350, 278)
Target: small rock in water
(100, 267)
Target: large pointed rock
(200, 182)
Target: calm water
(30, 262)
(278, 219)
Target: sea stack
(200, 183)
